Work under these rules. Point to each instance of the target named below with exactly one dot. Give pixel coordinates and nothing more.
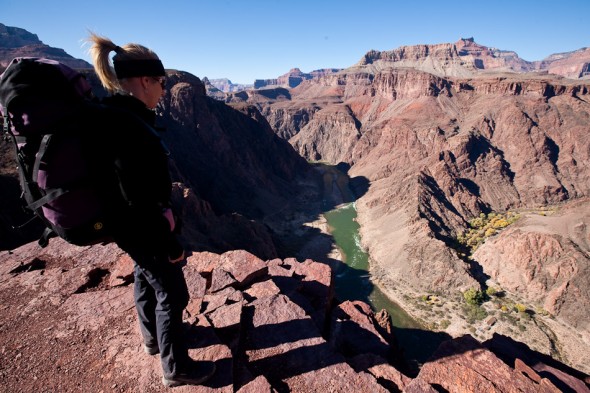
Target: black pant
(160, 298)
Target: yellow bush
(491, 291)
(483, 227)
(500, 223)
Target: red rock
(463, 365)
(197, 287)
(221, 279)
(205, 345)
(281, 333)
(204, 262)
(227, 323)
(523, 358)
(243, 266)
(339, 377)
(318, 287)
(315, 271)
(521, 367)
(420, 386)
(226, 316)
(232, 295)
(226, 296)
(122, 274)
(258, 385)
(263, 289)
(387, 375)
(92, 337)
(354, 332)
(279, 271)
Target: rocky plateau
(269, 325)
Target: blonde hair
(99, 51)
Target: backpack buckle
(7, 133)
(6, 125)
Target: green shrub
(473, 297)
(491, 291)
(474, 313)
(542, 311)
(445, 323)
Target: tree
(473, 296)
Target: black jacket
(141, 162)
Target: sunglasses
(162, 81)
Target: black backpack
(62, 158)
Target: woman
(145, 226)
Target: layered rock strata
(439, 151)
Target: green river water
(352, 282)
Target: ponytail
(99, 51)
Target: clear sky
(245, 40)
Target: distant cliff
(292, 78)
(17, 42)
(227, 86)
(465, 58)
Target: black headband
(130, 68)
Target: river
(353, 282)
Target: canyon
(442, 140)
(430, 142)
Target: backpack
(64, 177)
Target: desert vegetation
(473, 297)
(483, 227)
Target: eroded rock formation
(439, 143)
(441, 140)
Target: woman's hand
(168, 215)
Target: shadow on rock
(417, 347)
(510, 351)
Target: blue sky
(245, 40)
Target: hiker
(136, 82)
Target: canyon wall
(439, 151)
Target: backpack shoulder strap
(48, 197)
(42, 149)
